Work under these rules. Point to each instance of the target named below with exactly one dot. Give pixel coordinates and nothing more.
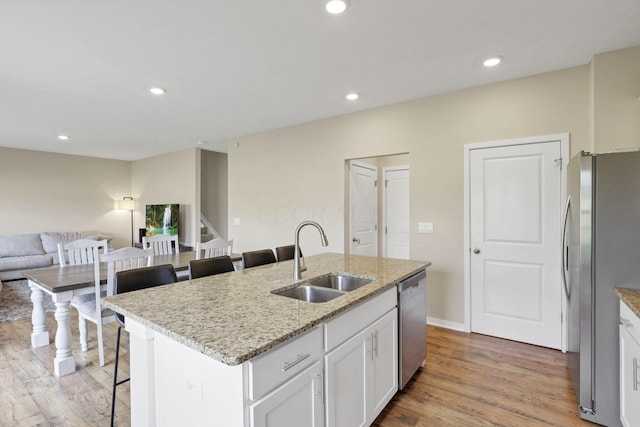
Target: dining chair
(213, 248)
(210, 266)
(134, 280)
(118, 260)
(79, 251)
(256, 258)
(285, 253)
(162, 244)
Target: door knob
(476, 251)
(356, 240)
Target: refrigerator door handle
(565, 249)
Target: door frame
(564, 153)
(384, 203)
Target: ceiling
(84, 68)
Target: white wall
(616, 80)
(169, 178)
(58, 192)
(279, 178)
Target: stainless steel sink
(341, 282)
(324, 288)
(311, 293)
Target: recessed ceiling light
(353, 96)
(63, 137)
(492, 62)
(201, 142)
(157, 91)
(336, 6)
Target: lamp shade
(126, 204)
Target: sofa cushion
(50, 240)
(20, 245)
(25, 262)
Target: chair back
(121, 260)
(210, 266)
(285, 253)
(162, 244)
(142, 278)
(256, 258)
(213, 248)
(80, 251)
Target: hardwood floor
(469, 380)
(477, 380)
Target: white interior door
(515, 210)
(396, 212)
(363, 208)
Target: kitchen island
(220, 350)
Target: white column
(142, 368)
(39, 335)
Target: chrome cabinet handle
(626, 323)
(476, 251)
(370, 346)
(375, 337)
(320, 378)
(288, 365)
(635, 374)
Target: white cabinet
(298, 402)
(629, 367)
(362, 374)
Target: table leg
(39, 335)
(64, 362)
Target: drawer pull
(288, 365)
(626, 323)
(635, 374)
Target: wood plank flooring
(469, 380)
(477, 380)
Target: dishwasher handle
(412, 281)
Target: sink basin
(311, 293)
(340, 282)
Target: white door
(396, 212)
(515, 211)
(363, 208)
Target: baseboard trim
(446, 324)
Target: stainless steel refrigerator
(601, 252)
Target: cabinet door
(346, 370)
(299, 402)
(629, 378)
(384, 372)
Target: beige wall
(616, 80)
(214, 190)
(169, 178)
(57, 192)
(279, 178)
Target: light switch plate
(425, 227)
(236, 221)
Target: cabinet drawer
(346, 325)
(276, 366)
(630, 321)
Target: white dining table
(64, 283)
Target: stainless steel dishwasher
(412, 326)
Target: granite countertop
(631, 297)
(234, 317)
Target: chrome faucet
(296, 254)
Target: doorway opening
(377, 206)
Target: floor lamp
(126, 204)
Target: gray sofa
(37, 250)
